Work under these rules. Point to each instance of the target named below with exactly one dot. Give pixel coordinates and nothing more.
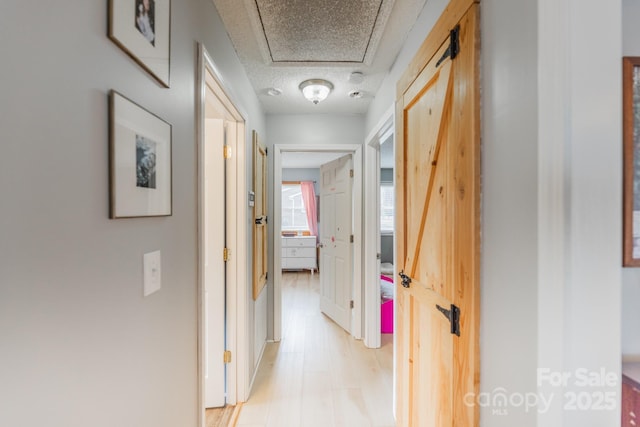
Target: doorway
(357, 290)
(381, 136)
(222, 280)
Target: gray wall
(509, 205)
(386, 175)
(80, 345)
(386, 248)
(631, 276)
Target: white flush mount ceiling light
(316, 90)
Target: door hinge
(453, 315)
(225, 254)
(351, 173)
(266, 276)
(226, 152)
(266, 151)
(454, 46)
(351, 238)
(227, 356)
(351, 304)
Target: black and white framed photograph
(142, 29)
(140, 160)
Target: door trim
(380, 133)
(356, 151)
(236, 294)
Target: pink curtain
(309, 199)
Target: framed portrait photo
(142, 29)
(631, 149)
(140, 161)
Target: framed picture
(631, 138)
(139, 160)
(142, 29)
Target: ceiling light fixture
(316, 90)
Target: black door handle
(406, 280)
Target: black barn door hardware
(454, 46)
(406, 280)
(454, 317)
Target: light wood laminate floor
(318, 375)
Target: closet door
(438, 235)
(259, 216)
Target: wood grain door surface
(437, 244)
(260, 264)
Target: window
(386, 207)
(294, 215)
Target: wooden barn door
(437, 161)
(259, 216)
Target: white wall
(631, 276)
(509, 204)
(80, 345)
(307, 129)
(551, 283)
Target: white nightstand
(299, 252)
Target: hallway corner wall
(80, 344)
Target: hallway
(318, 375)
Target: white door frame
(356, 151)
(379, 134)
(236, 292)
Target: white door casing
(235, 319)
(336, 249)
(371, 272)
(357, 152)
(214, 268)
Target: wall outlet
(152, 272)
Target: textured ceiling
(281, 43)
(295, 31)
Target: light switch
(152, 272)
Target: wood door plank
(466, 214)
(435, 112)
(435, 369)
(260, 262)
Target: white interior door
(214, 265)
(336, 258)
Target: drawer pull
(632, 422)
(632, 414)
